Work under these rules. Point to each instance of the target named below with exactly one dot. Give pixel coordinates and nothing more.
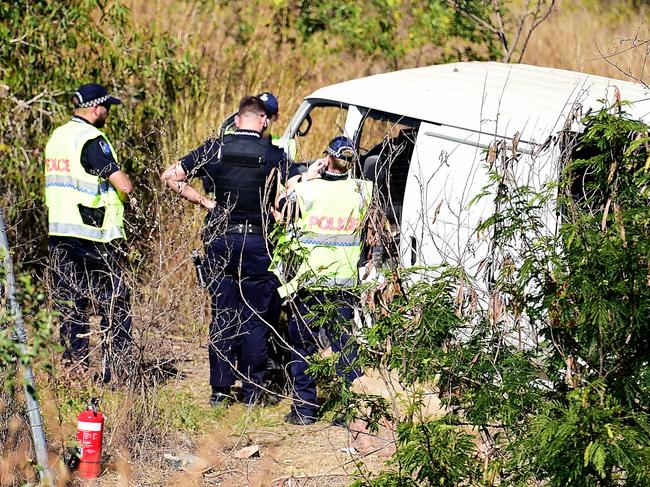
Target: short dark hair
(251, 104)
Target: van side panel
(448, 170)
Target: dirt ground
(319, 455)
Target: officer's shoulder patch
(106, 149)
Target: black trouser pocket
(92, 216)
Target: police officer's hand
(316, 168)
(207, 203)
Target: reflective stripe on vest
(335, 240)
(74, 183)
(332, 281)
(85, 231)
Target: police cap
(270, 103)
(92, 94)
(342, 148)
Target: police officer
(332, 207)
(272, 113)
(240, 173)
(84, 192)
(272, 109)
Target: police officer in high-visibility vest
(85, 191)
(240, 173)
(331, 207)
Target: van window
(386, 144)
(374, 131)
(320, 125)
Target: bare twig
(502, 32)
(607, 59)
(21, 40)
(520, 28)
(536, 24)
(618, 53)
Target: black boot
(221, 397)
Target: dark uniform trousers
(244, 302)
(79, 279)
(303, 338)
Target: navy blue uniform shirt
(96, 155)
(203, 161)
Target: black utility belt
(244, 228)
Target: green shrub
(51, 48)
(570, 405)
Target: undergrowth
(547, 382)
(180, 68)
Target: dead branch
(520, 28)
(536, 23)
(627, 73)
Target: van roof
(488, 97)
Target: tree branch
(520, 29)
(536, 24)
(621, 70)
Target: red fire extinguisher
(90, 425)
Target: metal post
(33, 408)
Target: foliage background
(181, 67)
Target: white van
(424, 134)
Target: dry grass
(15, 447)
(597, 39)
(170, 312)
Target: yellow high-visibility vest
(288, 146)
(67, 185)
(328, 234)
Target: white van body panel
(438, 223)
(488, 97)
(461, 109)
(441, 213)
